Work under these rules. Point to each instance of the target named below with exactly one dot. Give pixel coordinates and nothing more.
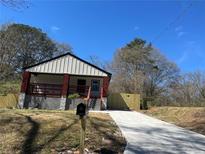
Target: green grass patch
(9, 87)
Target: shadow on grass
(116, 144)
(5, 121)
(58, 133)
(27, 147)
(31, 135)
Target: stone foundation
(63, 103)
(21, 100)
(51, 103)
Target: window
(81, 82)
(81, 85)
(95, 85)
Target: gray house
(48, 84)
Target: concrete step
(94, 104)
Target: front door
(95, 88)
(81, 86)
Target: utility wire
(178, 17)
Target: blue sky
(98, 28)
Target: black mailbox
(81, 110)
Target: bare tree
(128, 67)
(198, 79)
(62, 48)
(95, 60)
(189, 90)
(23, 45)
(6, 54)
(161, 74)
(140, 68)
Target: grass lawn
(43, 131)
(192, 118)
(9, 87)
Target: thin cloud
(191, 42)
(179, 31)
(192, 51)
(182, 58)
(136, 28)
(180, 34)
(55, 28)
(179, 28)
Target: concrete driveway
(145, 134)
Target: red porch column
(106, 81)
(25, 81)
(65, 87)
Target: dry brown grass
(43, 131)
(100, 115)
(192, 118)
(8, 101)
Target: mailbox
(81, 110)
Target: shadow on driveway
(145, 134)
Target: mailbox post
(81, 111)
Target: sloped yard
(192, 118)
(42, 131)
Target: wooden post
(25, 82)
(82, 134)
(101, 97)
(65, 87)
(106, 81)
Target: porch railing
(81, 90)
(43, 89)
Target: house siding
(67, 65)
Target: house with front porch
(48, 84)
